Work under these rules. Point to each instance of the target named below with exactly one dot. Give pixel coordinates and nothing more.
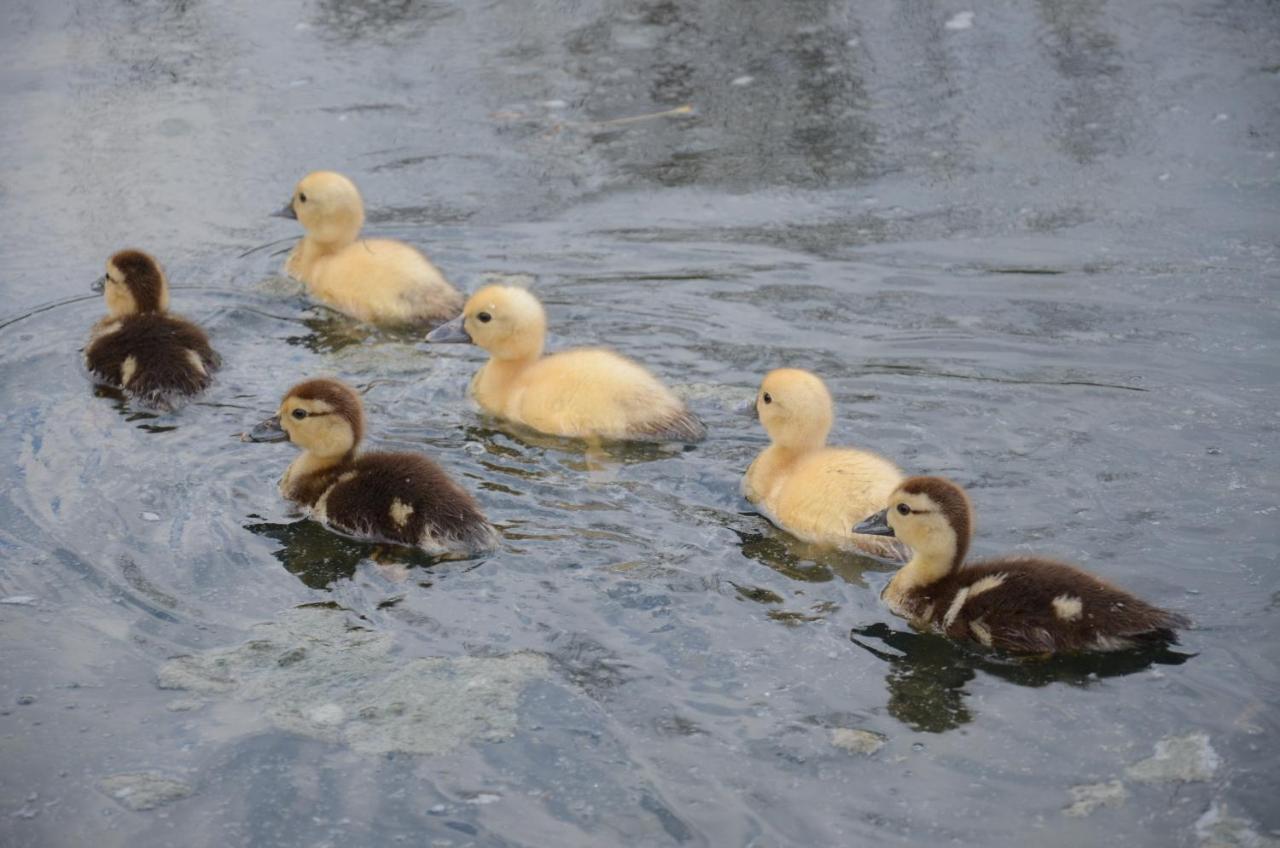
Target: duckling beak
(100, 284)
(268, 431)
(876, 525)
(286, 212)
(748, 410)
(452, 332)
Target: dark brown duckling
(156, 359)
(402, 498)
(1021, 604)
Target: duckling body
(403, 498)
(812, 491)
(588, 393)
(1020, 604)
(157, 359)
(377, 281)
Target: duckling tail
(681, 426)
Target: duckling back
(820, 494)
(157, 359)
(588, 393)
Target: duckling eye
(484, 317)
(766, 397)
(299, 414)
(302, 198)
(903, 509)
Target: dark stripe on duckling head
(341, 397)
(953, 503)
(143, 278)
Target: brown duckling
(155, 358)
(1022, 604)
(402, 498)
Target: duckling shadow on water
(330, 332)
(130, 413)
(595, 456)
(319, 557)
(807, 563)
(928, 674)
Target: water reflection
(801, 561)
(319, 557)
(379, 20)
(928, 674)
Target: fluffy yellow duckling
(810, 490)
(155, 358)
(1020, 604)
(403, 498)
(586, 393)
(378, 281)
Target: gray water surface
(1033, 248)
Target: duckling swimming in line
(378, 281)
(1022, 604)
(156, 359)
(582, 393)
(812, 491)
(403, 498)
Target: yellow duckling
(1021, 604)
(155, 358)
(587, 393)
(402, 498)
(810, 490)
(378, 281)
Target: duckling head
(323, 417)
(795, 408)
(507, 321)
(931, 515)
(133, 284)
(328, 206)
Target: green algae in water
(317, 675)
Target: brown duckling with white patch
(402, 498)
(1020, 604)
(155, 358)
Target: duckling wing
(595, 392)
(383, 281)
(1027, 604)
(158, 360)
(407, 499)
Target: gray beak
(286, 212)
(452, 332)
(876, 525)
(100, 284)
(267, 431)
(748, 410)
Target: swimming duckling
(155, 358)
(378, 281)
(1023, 604)
(810, 490)
(403, 498)
(588, 393)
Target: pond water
(1030, 245)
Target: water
(1037, 254)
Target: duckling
(378, 281)
(1021, 604)
(156, 359)
(812, 491)
(402, 498)
(588, 393)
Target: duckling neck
(496, 379)
(308, 465)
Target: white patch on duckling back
(986, 584)
(1067, 607)
(954, 610)
(127, 369)
(195, 360)
(981, 632)
(320, 512)
(400, 512)
(1103, 644)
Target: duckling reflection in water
(378, 281)
(1021, 604)
(812, 491)
(401, 498)
(156, 359)
(583, 393)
